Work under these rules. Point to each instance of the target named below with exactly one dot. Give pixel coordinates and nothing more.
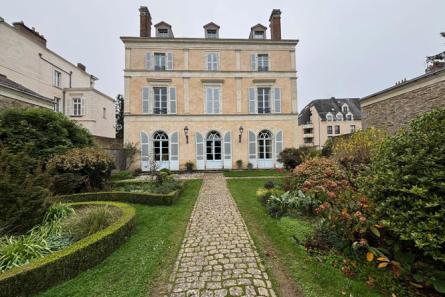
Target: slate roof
(5, 82)
(333, 105)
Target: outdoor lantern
(241, 129)
(186, 132)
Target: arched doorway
(161, 149)
(214, 150)
(265, 149)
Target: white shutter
(228, 151)
(82, 106)
(216, 100)
(277, 100)
(146, 100)
(199, 151)
(217, 62)
(209, 61)
(252, 149)
(253, 62)
(145, 151)
(169, 61)
(70, 109)
(172, 101)
(174, 151)
(278, 147)
(149, 61)
(252, 101)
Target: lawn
(313, 277)
(145, 260)
(253, 173)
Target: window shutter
(174, 151)
(69, 107)
(145, 151)
(149, 61)
(228, 151)
(252, 100)
(209, 61)
(279, 146)
(82, 106)
(172, 103)
(199, 151)
(217, 61)
(253, 62)
(146, 100)
(216, 100)
(252, 149)
(277, 100)
(169, 61)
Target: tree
(40, 132)
(119, 116)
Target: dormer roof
(259, 26)
(211, 25)
(163, 24)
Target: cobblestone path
(217, 256)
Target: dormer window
(339, 117)
(212, 34)
(258, 32)
(163, 30)
(259, 35)
(349, 117)
(163, 33)
(329, 117)
(345, 108)
(211, 31)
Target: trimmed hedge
(60, 266)
(130, 197)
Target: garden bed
(69, 262)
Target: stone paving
(218, 257)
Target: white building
(68, 88)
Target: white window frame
(352, 128)
(339, 117)
(57, 78)
(329, 117)
(331, 130)
(211, 109)
(259, 36)
(57, 101)
(163, 34)
(263, 143)
(212, 59)
(161, 138)
(349, 114)
(262, 64)
(213, 35)
(78, 106)
(335, 130)
(343, 108)
(159, 105)
(270, 101)
(159, 58)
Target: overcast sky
(348, 48)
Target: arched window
(329, 117)
(265, 145)
(160, 145)
(213, 146)
(339, 117)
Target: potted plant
(239, 164)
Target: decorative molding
(210, 74)
(159, 80)
(210, 118)
(264, 81)
(212, 81)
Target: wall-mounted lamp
(186, 132)
(241, 129)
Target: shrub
(90, 220)
(22, 193)
(122, 175)
(67, 183)
(189, 166)
(355, 152)
(408, 185)
(42, 132)
(326, 151)
(58, 211)
(239, 164)
(130, 150)
(290, 158)
(308, 153)
(93, 164)
(264, 194)
(284, 204)
(269, 185)
(166, 171)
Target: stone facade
(394, 108)
(237, 120)
(26, 60)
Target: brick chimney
(145, 24)
(30, 33)
(275, 24)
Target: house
(210, 100)
(393, 108)
(325, 118)
(33, 75)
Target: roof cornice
(128, 39)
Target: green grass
(315, 278)
(253, 173)
(142, 262)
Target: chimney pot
(275, 24)
(145, 22)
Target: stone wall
(6, 102)
(396, 112)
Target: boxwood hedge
(130, 197)
(67, 263)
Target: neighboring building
(33, 75)
(394, 107)
(325, 118)
(209, 100)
